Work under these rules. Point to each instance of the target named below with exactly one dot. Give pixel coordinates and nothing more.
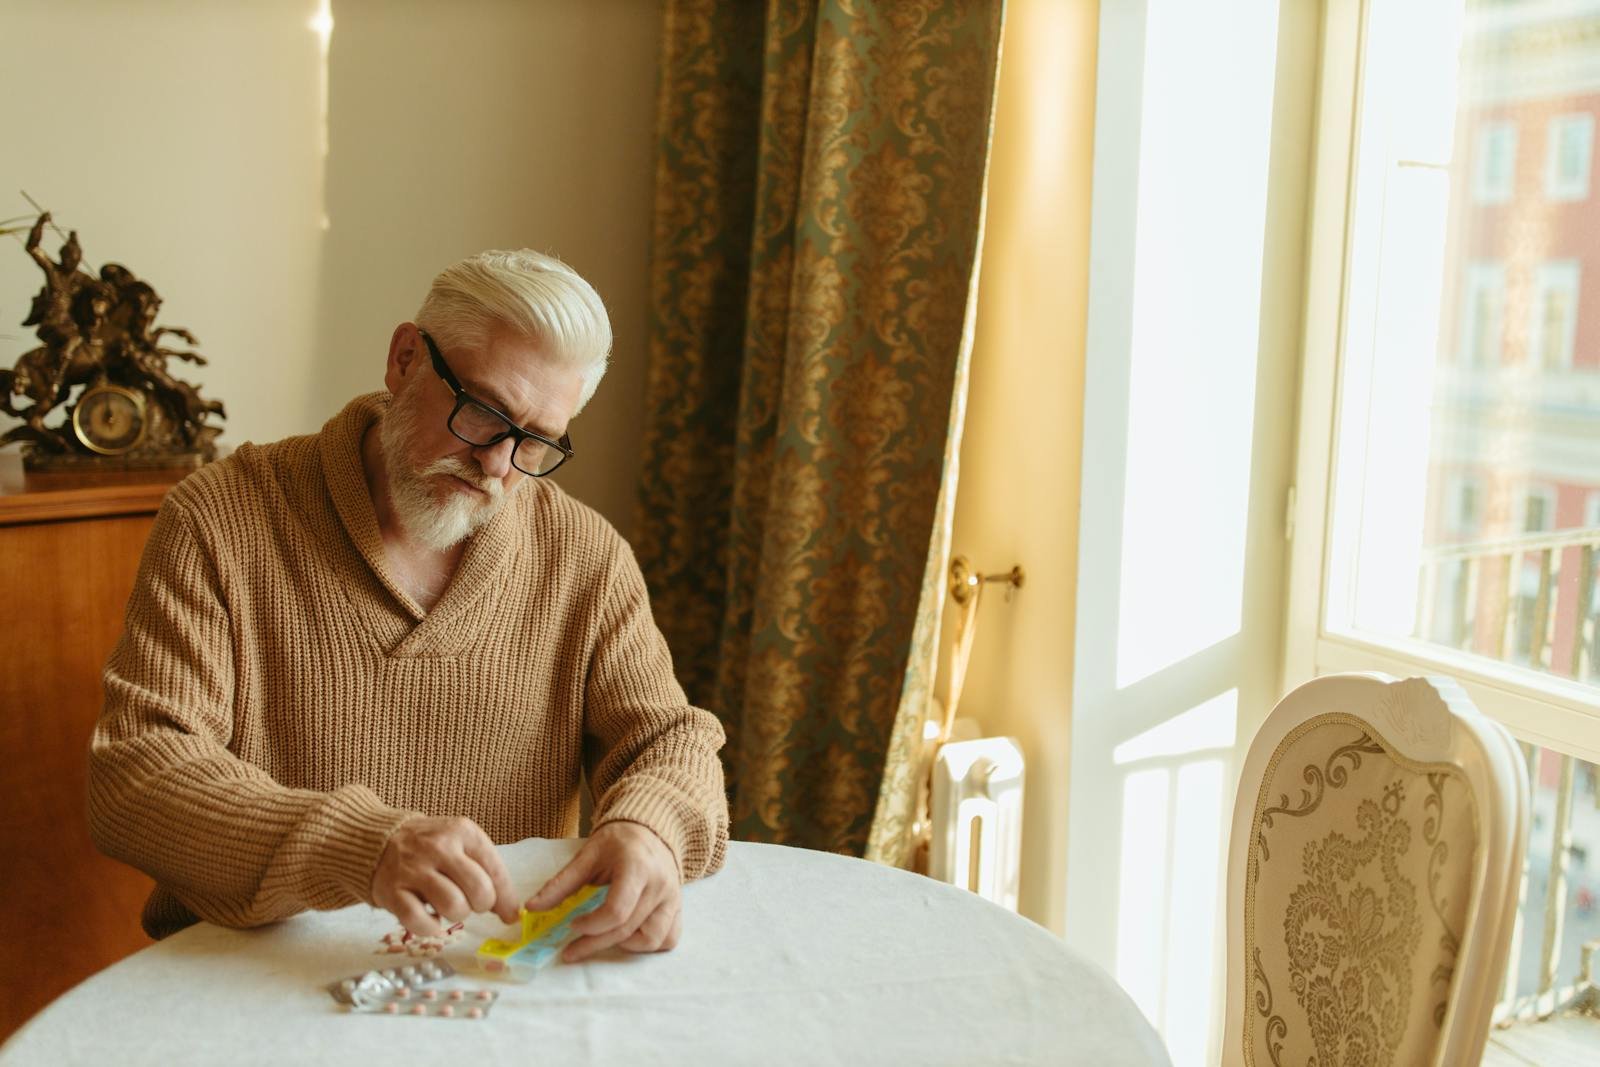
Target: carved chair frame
(1424, 720)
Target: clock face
(109, 420)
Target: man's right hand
(444, 862)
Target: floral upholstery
(1359, 876)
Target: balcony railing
(1529, 600)
(1533, 600)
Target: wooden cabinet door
(68, 561)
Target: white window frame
(1557, 186)
(1591, 510)
(1480, 276)
(1557, 275)
(1488, 187)
(1545, 710)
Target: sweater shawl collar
(484, 565)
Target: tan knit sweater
(277, 705)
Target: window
(1566, 170)
(1427, 534)
(1494, 174)
(1482, 307)
(1538, 509)
(1554, 328)
(1465, 504)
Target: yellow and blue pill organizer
(543, 935)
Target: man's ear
(405, 356)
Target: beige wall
(184, 139)
(1017, 500)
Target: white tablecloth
(788, 956)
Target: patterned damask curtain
(818, 208)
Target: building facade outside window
(1495, 172)
(1553, 330)
(1569, 146)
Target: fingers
(623, 899)
(599, 937)
(470, 880)
(445, 896)
(659, 933)
(413, 914)
(567, 881)
(446, 864)
(502, 894)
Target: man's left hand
(643, 911)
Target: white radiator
(976, 815)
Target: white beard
(426, 520)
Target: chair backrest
(1377, 842)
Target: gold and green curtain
(818, 207)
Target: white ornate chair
(1377, 842)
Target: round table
(787, 956)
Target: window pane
(1468, 458)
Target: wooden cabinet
(69, 549)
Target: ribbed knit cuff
(662, 812)
(355, 827)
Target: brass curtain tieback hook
(964, 581)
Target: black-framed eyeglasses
(481, 425)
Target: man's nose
(495, 459)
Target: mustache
(467, 472)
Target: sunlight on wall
(1141, 933)
(1212, 725)
(1202, 157)
(1169, 925)
(1197, 289)
(322, 25)
(1192, 949)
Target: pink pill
(391, 1008)
(446, 1010)
(456, 994)
(419, 1009)
(475, 1013)
(402, 991)
(396, 948)
(430, 994)
(484, 994)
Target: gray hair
(534, 294)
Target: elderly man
(353, 661)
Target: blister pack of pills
(544, 934)
(409, 990)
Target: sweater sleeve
(168, 797)
(651, 756)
